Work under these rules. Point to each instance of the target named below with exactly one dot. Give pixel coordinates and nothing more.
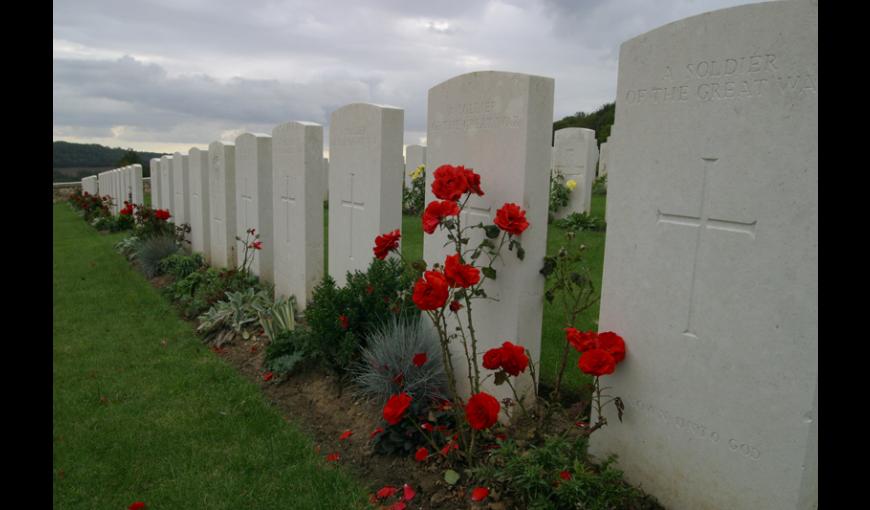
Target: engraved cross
(288, 198)
(704, 222)
(352, 205)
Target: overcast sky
(168, 75)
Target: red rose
(513, 359)
(430, 291)
(343, 321)
(482, 411)
(455, 306)
(346, 434)
(473, 181)
(376, 432)
(421, 454)
(395, 408)
(596, 362)
(450, 182)
(437, 211)
(420, 359)
(581, 341)
(162, 214)
(427, 427)
(613, 344)
(137, 506)
(257, 245)
(492, 359)
(459, 274)
(511, 218)
(479, 494)
(333, 457)
(268, 376)
(565, 475)
(386, 243)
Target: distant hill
(72, 161)
(600, 120)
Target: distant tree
(130, 157)
(600, 120)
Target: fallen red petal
(409, 492)
(479, 494)
(386, 492)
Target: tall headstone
(415, 155)
(575, 155)
(200, 229)
(499, 124)
(154, 167)
(181, 189)
(138, 188)
(222, 204)
(254, 199)
(602, 161)
(365, 147)
(167, 187)
(297, 159)
(711, 260)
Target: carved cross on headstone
(247, 204)
(352, 204)
(217, 189)
(288, 199)
(703, 222)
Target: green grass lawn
(168, 423)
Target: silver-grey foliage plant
(390, 353)
(149, 253)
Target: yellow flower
(571, 184)
(418, 172)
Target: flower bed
(413, 438)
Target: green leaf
(521, 253)
(451, 477)
(500, 377)
(549, 266)
(488, 272)
(492, 231)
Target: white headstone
(711, 260)
(365, 147)
(154, 167)
(200, 229)
(254, 199)
(499, 124)
(167, 186)
(574, 157)
(297, 159)
(602, 160)
(136, 184)
(414, 157)
(222, 204)
(181, 188)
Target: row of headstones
(710, 264)
(121, 184)
(273, 184)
